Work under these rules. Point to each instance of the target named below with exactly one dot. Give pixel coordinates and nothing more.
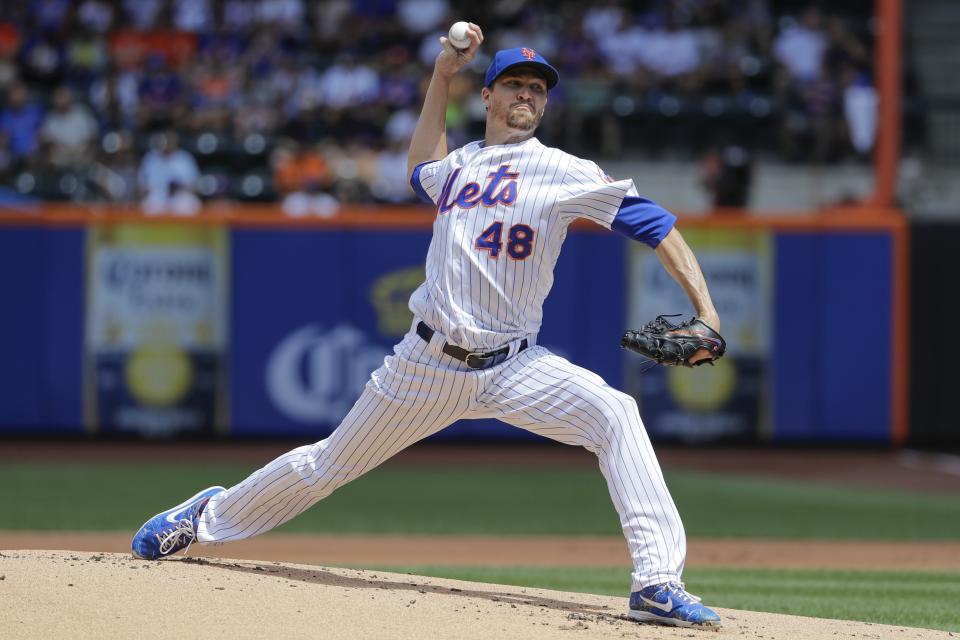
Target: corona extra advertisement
(155, 344)
(725, 401)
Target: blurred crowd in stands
(169, 103)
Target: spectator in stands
(354, 168)
(50, 15)
(161, 95)
(399, 85)
(603, 18)
(345, 76)
(20, 122)
(259, 114)
(845, 61)
(531, 32)
(86, 58)
(429, 47)
(423, 16)
(96, 15)
(727, 58)
(302, 176)
(726, 175)
(811, 120)
(271, 68)
(756, 18)
(843, 47)
(620, 49)
(800, 48)
(578, 50)
(9, 71)
(860, 109)
(215, 91)
(115, 96)
(69, 131)
(348, 84)
(401, 125)
(168, 178)
(239, 16)
(193, 16)
(144, 15)
(390, 180)
(587, 118)
(672, 56)
(329, 18)
(809, 87)
(114, 173)
(42, 60)
(285, 15)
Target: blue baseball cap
(521, 56)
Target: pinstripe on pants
(419, 391)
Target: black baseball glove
(674, 344)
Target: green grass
(480, 500)
(913, 599)
(517, 501)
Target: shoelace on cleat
(170, 540)
(677, 589)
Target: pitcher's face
(517, 99)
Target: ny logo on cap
(529, 54)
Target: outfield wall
(250, 324)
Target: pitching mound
(66, 594)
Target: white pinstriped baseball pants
(420, 390)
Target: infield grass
(479, 500)
(914, 599)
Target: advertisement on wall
(728, 400)
(316, 372)
(156, 329)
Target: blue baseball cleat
(172, 530)
(669, 603)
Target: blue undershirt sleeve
(643, 220)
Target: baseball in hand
(458, 35)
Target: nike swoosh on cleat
(183, 505)
(666, 608)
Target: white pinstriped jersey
(502, 216)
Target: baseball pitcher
(503, 207)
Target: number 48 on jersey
(519, 241)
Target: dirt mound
(50, 594)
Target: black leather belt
(473, 359)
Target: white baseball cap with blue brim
(520, 57)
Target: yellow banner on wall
(156, 328)
(729, 400)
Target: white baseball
(458, 35)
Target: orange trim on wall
(375, 217)
(887, 72)
(832, 220)
(900, 335)
(255, 216)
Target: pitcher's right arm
(429, 141)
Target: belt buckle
(479, 356)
